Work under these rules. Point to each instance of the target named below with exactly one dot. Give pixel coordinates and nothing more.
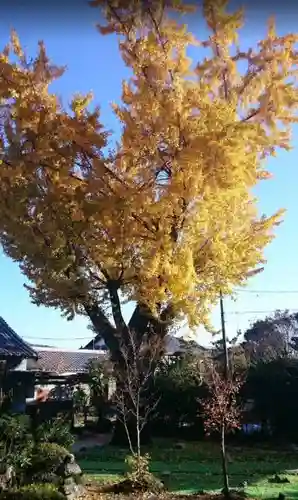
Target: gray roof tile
(62, 361)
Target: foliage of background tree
(166, 218)
(273, 337)
(99, 375)
(273, 386)
(180, 386)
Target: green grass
(198, 466)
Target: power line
(258, 312)
(265, 291)
(57, 338)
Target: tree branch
(102, 325)
(113, 287)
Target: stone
(291, 472)
(7, 478)
(166, 473)
(278, 480)
(72, 469)
(152, 496)
(180, 446)
(293, 447)
(72, 490)
(69, 467)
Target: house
(17, 383)
(36, 373)
(174, 345)
(57, 370)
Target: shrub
(16, 443)
(55, 431)
(46, 458)
(33, 492)
(15, 432)
(139, 475)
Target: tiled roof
(11, 344)
(61, 361)
(173, 345)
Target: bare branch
(221, 409)
(134, 399)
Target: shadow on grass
(197, 466)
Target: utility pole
(224, 336)
(226, 375)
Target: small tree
(222, 412)
(81, 401)
(99, 372)
(134, 397)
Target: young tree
(134, 397)
(81, 402)
(99, 378)
(222, 412)
(166, 219)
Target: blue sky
(93, 63)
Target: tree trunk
(224, 462)
(226, 375)
(141, 323)
(120, 437)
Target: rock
(291, 472)
(293, 447)
(179, 446)
(166, 473)
(278, 480)
(7, 477)
(72, 490)
(70, 472)
(71, 468)
(281, 496)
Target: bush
(46, 458)
(139, 474)
(15, 432)
(33, 492)
(55, 431)
(16, 442)
(31, 458)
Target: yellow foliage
(167, 218)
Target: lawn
(197, 466)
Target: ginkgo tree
(166, 219)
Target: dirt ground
(94, 493)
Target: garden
(194, 467)
(38, 461)
(160, 215)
